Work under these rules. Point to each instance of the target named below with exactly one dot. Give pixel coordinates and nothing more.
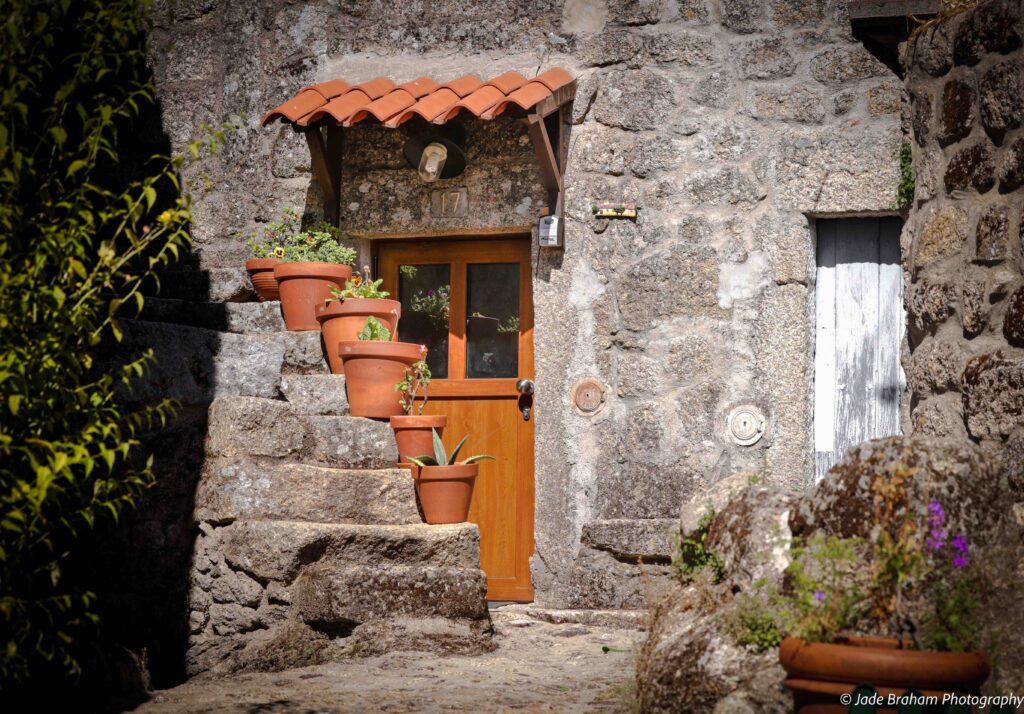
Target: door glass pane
(492, 324)
(425, 294)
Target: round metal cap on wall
(589, 396)
(746, 425)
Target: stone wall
(965, 291)
(732, 123)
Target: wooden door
(471, 303)
(859, 324)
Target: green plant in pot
(413, 428)
(893, 610)
(310, 262)
(373, 365)
(444, 484)
(268, 247)
(345, 314)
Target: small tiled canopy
(329, 106)
(392, 105)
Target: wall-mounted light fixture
(435, 157)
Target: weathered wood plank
(891, 325)
(824, 348)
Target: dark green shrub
(78, 237)
(693, 555)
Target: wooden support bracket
(551, 155)
(325, 157)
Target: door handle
(525, 388)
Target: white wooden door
(859, 324)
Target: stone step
(212, 285)
(194, 365)
(231, 490)
(335, 595)
(654, 540)
(242, 427)
(279, 550)
(316, 394)
(239, 317)
(519, 615)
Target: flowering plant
(435, 304)
(913, 580)
(288, 241)
(414, 379)
(360, 286)
(374, 331)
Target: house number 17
(449, 202)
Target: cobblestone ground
(585, 665)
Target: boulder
(959, 475)
(689, 662)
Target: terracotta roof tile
(423, 97)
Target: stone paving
(546, 661)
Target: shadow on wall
(139, 568)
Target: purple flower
(430, 293)
(961, 558)
(819, 595)
(937, 535)
(936, 539)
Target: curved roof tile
(438, 103)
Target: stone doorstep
(231, 490)
(252, 427)
(334, 594)
(605, 619)
(279, 550)
(238, 317)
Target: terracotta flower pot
(819, 673)
(445, 492)
(372, 369)
(261, 273)
(413, 433)
(303, 286)
(342, 320)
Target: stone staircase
(310, 544)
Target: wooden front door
(471, 303)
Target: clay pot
(819, 673)
(372, 369)
(342, 320)
(445, 492)
(413, 433)
(261, 273)
(305, 285)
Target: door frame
(515, 248)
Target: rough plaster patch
(584, 17)
(742, 281)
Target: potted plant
(445, 486)
(413, 431)
(267, 249)
(893, 610)
(311, 262)
(373, 364)
(344, 315)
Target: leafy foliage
(360, 286)
(905, 190)
(750, 618)
(374, 330)
(287, 240)
(78, 238)
(441, 458)
(415, 380)
(693, 555)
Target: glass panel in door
(425, 294)
(492, 322)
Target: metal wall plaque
(589, 396)
(446, 202)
